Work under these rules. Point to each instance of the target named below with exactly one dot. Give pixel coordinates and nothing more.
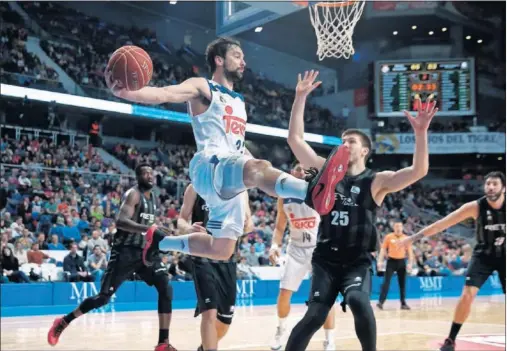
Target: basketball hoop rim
(331, 4)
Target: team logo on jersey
(346, 201)
(233, 124)
(495, 227)
(302, 223)
(147, 216)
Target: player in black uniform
(489, 252)
(136, 216)
(342, 260)
(215, 281)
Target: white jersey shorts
(298, 264)
(218, 179)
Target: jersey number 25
(340, 218)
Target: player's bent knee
(252, 169)
(316, 314)
(358, 300)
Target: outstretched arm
(190, 89)
(303, 152)
(468, 210)
(389, 182)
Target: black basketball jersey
(490, 229)
(350, 226)
(144, 214)
(200, 211)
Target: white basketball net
(334, 26)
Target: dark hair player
(136, 215)
(489, 252)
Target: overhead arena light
(414, 27)
(468, 37)
(444, 29)
(258, 29)
(173, 2)
(395, 32)
(431, 32)
(479, 41)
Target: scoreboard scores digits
(399, 83)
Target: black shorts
(331, 278)
(127, 260)
(215, 286)
(481, 267)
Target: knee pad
(165, 296)
(94, 302)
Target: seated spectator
(97, 263)
(70, 232)
(35, 255)
(10, 266)
(177, 273)
(17, 227)
(55, 244)
(26, 240)
(20, 253)
(252, 259)
(97, 240)
(5, 240)
(41, 241)
(243, 270)
(74, 267)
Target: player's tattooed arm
(190, 89)
(468, 210)
(124, 220)
(296, 139)
(389, 182)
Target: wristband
(274, 246)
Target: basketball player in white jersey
(303, 229)
(222, 168)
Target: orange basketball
(132, 66)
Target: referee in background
(396, 262)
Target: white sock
(282, 322)
(329, 335)
(287, 186)
(175, 243)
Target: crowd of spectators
(81, 46)
(53, 202)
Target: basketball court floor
(422, 328)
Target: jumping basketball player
(137, 214)
(303, 229)
(489, 252)
(222, 168)
(215, 281)
(342, 259)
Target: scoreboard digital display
(399, 83)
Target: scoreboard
(399, 83)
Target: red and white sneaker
(321, 190)
(164, 347)
(56, 330)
